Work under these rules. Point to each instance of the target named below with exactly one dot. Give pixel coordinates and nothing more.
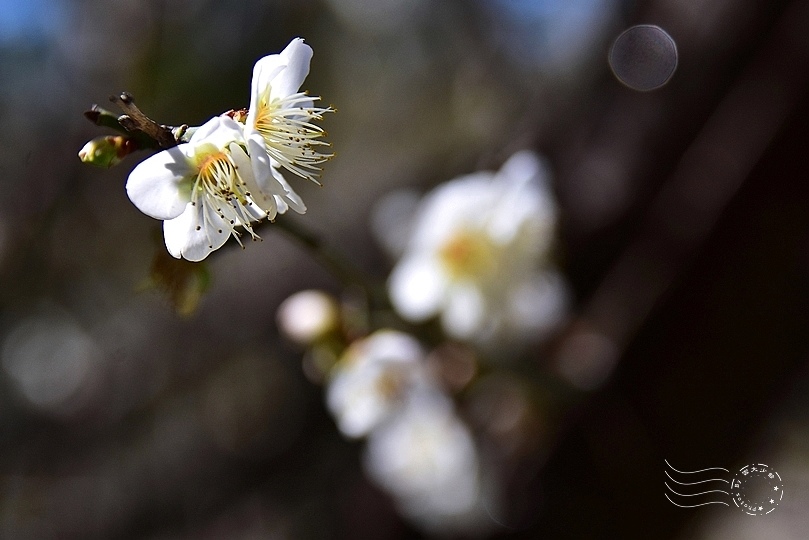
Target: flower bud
(308, 316)
(107, 151)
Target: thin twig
(104, 118)
(134, 120)
(343, 269)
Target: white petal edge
(297, 56)
(287, 195)
(388, 346)
(464, 312)
(184, 240)
(269, 178)
(417, 287)
(219, 131)
(160, 186)
(463, 203)
(540, 303)
(354, 398)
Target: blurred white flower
(280, 117)
(426, 459)
(392, 220)
(373, 380)
(475, 254)
(205, 188)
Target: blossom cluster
(475, 254)
(228, 175)
(382, 389)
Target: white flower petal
(526, 202)
(262, 169)
(465, 311)
(263, 73)
(373, 378)
(265, 70)
(540, 303)
(195, 233)
(392, 346)
(417, 287)
(355, 399)
(219, 131)
(296, 56)
(270, 181)
(282, 73)
(460, 204)
(287, 195)
(425, 452)
(523, 166)
(160, 186)
(247, 167)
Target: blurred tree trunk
(706, 291)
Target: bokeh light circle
(643, 57)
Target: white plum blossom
(373, 379)
(280, 116)
(418, 449)
(205, 188)
(477, 254)
(426, 458)
(228, 174)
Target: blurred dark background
(685, 237)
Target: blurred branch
(340, 266)
(707, 176)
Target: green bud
(107, 151)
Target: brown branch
(105, 118)
(134, 120)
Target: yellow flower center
(469, 254)
(390, 383)
(218, 178)
(219, 188)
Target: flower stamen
(219, 188)
(289, 134)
